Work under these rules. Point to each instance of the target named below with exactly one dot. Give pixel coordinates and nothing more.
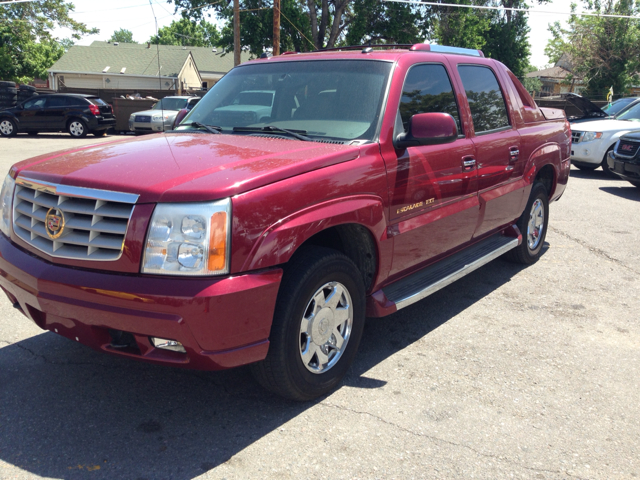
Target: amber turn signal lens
(218, 241)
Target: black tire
(587, 167)
(4, 84)
(605, 165)
(8, 90)
(27, 88)
(99, 133)
(283, 371)
(8, 127)
(527, 253)
(77, 128)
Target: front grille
(627, 149)
(576, 136)
(92, 224)
(143, 118)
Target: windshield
(633, 114)
(170, 104)
(618, 106)
(326, 99)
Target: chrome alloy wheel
(325, 327)
(536, 224)
(6, 127)
(76, 129)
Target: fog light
(165, 344)
(586, 152)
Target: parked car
(592, 141)
(620, 105)
(73, 113)
(624, 159)
(378, 178)
(162, 114)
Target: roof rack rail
(418, 47)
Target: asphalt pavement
(511, 372)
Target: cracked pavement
(510, 372)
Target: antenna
(158, 55)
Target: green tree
(386, 22)
(189, 33)
(27, 47)
(122, 36)
(531, 84)
(605, 51)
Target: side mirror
(428, 129)
(181, 114)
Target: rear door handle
(514, 153)
(468, 164)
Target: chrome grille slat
(94, 228)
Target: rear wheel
(77, 128)
(533, 226)
(316, 327)
(8, 127)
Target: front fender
(279, 242)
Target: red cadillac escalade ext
(303, 193)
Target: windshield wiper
(208, 128)
(271, 128)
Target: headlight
(159, 118)
(188, 239)
(588, 136)
(5, 202)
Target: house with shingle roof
(559, 78)
(130, 66)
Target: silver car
(161, 115)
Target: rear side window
(97, 101)
(525, 98)
(488, 109)
(427, 89)
(53, 102)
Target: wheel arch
(353, 226)
(544, 166)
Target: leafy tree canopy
(187, 32)
(605, 51)
(27, 48)
(122, 36)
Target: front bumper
(627, 169)
(221, 322)
(587, 153)
(150, 127)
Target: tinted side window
(486, 102)
(35, 103)
(427, 89)
(53, 102)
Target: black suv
(624, 159)
(74, 113)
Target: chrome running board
(429, 280)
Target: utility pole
(276, 27)
(236, 32)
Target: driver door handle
(468, 164)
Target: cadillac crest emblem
(54, 223)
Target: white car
(591, 141)
(161, 115)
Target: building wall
(111, 81)
(189, 77)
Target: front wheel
(605, 166)
(317, 325)
(533, 225)
(8, 127)
(77, 128)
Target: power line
(483, 7)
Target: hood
(606, 126)
(583, 108)
(184, 167)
